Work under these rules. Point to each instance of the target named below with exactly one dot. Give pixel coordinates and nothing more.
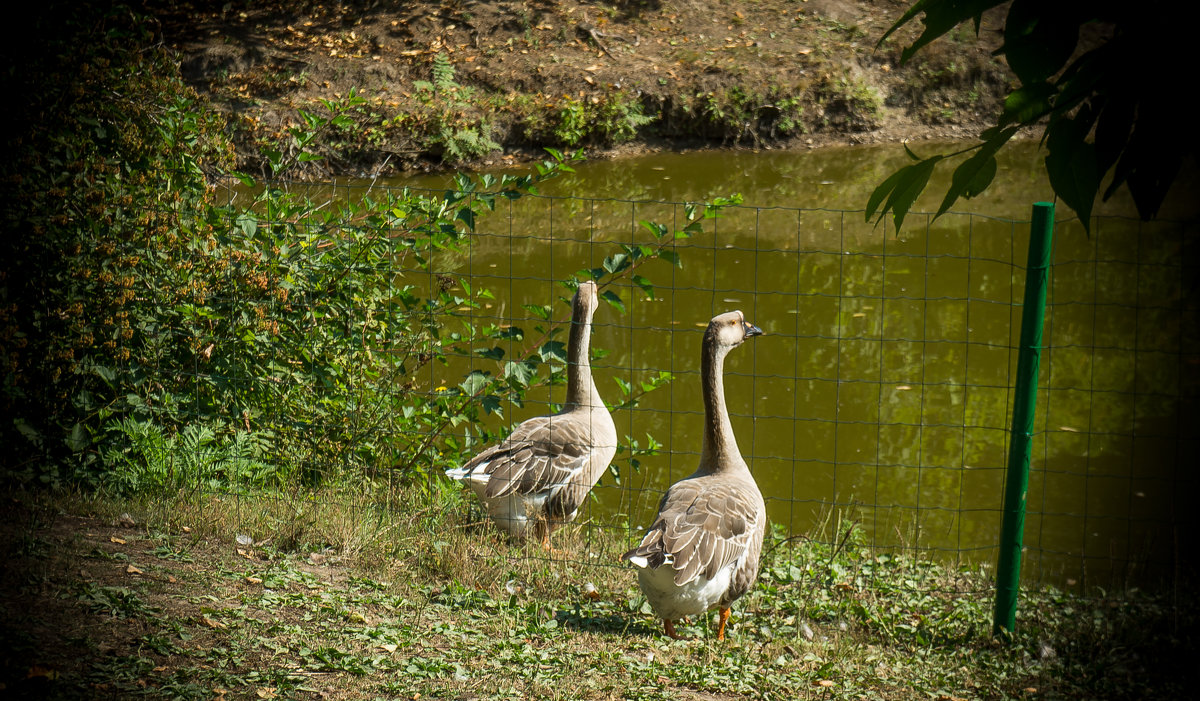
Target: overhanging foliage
(1099, 75)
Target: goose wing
(701, 529)
(542, 454)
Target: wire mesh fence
(879, 394)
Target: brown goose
(702, 551)
(538, 477)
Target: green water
(881, 389)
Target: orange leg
(669, 628)
(546, 528)
(721, 625)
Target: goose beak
(751, 329)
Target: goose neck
(581, 390)
(719, 445)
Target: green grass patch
(430, 601)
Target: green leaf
(79, 439)
(656, 229)
(940, 17)
(881, 191)
(518, 374)
(553, 350)
(105, 373)
(693, 229)
(1027, 104)
(1071, 164)
(644, 284)
(973, 176)
(1039, 37)
(495, 353)
(902, 189)
(29, 432)
(247, 223)
(467, 216)
(463, 183)
(1151, 161)
(1092, 78)
(1113, 130)
(541, 311)
(983, 176)
(909, 188)
(612, 298)
(616, 263)
(515, 333)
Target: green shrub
(612, 119)
(112, 157)
(160, 333)
(142, 457)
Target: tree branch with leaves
(1103, 79)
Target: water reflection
(829, 178)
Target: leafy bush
(97, 187)
(606, 120)
(160, 334)
(849, 102)
(314, 327)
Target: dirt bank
(516, 76)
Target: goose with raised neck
(703, 548)
(534, 481)
(719, 449)
(581, 388)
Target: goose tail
(469, 472)
(647, 560)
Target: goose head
(727, 331)
(585, 302)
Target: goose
(535, 480)
(702, 550)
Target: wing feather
(702, 527)
(542, 454)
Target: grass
(332, 596)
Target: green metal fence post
(1008, 568)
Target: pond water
(881, 389)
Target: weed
(833, 27)
(448, 121)
(849, 102)
(167, 552)
(610, 119)
(119, 602)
